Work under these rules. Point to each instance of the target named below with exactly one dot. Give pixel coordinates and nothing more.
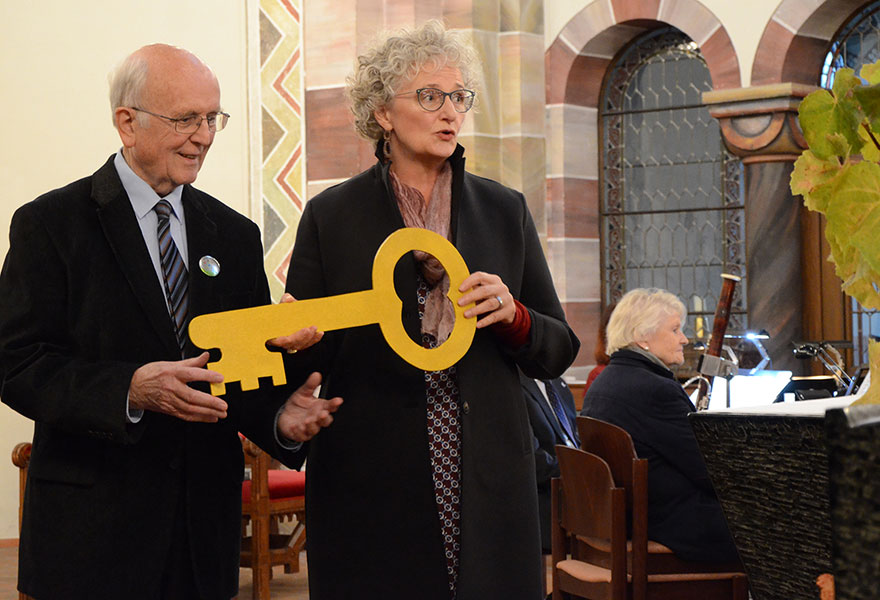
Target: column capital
(760, 123)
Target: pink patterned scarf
(439, 314)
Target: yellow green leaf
(872, 396)
(813, 178)
(869, 99)
(823, 114)
(870, 151)
(871, 73)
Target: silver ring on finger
(500, 301)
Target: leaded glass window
(857, 44)
(672, 205)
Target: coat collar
(407, 269)
(628, 357)
(456, 160)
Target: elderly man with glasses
(134, 486)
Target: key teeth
(218, 389)
(249, 383)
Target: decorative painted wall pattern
(283, 128)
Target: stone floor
(283, 587)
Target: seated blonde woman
(638, 392)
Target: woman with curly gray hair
(424, 486)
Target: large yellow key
(241, 334)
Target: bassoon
(716, 341)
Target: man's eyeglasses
(431, 99)
(191, 124)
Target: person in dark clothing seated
(600, 353)
(552, 417)
(637, 392)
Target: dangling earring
(386, 146)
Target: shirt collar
(143, 198)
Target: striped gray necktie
(176, 286)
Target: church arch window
(671, 208)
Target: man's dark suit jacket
(644, 398)
(81, 309)
(546, 433)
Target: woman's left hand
(299, 340)
(492, 298)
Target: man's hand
(304, 415)
(162, 387)
(299, 340)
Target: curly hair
(398, 56)
(639, 314)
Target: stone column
(789, 285)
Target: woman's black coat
(372, 520)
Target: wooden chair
(21, 458)
(270, 496)
(586, 503)
(646, 559)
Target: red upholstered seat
(282, 484)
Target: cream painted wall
(55, 117)
(744, 21)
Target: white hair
(639, 314)
(127, 83)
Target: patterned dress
(444, 442)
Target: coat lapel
(202, 239)
(544, 403)
(127, 243)
(463, 231)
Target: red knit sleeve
(515, 334)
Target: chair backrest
(615, 446)
(21, 458)
(591, 505)
(587, 508)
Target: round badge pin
(210, 266)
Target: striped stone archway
(575, 67)
(794, 42)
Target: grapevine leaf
(871, 73)
(813, 178)
(872, 396)
(870, 151)
(823, 114)
(869, 98)
(814, 115)
(853, 220)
